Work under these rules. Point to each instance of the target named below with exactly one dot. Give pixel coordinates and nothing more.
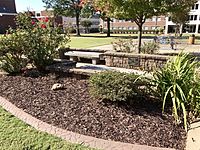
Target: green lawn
(16, 135)
(87, 42)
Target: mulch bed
(74, 109)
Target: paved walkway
(164, 48)
(193, 137)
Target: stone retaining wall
(135, 61)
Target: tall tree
(71, 8)
(140, 10)
(180, 15)
(103, 7)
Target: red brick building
(7, 14)
(150, 24)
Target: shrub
(43, 43)
(37, 43)
(126, 46)
(115, 86)
(150, 48)
(12, 48)
(177, 84)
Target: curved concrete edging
(71, 136)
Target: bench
(95, 56)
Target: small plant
(150, 48)
(177, 84)
(12, 48)
(115, 86)
(125, 46)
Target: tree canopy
(140, 10)
(70, 8)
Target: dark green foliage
(115, 86)
(178, 85)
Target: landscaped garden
(153, 110)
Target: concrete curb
(71, 136)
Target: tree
(140, 10)
(181, 15)
(86, 24)
(104, 8)
(71, 8)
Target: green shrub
(125, 46)
(115, 86)
(178, 85)
(37, 43)
(150, 48)
(12, 48)
(43, 43)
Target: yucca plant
(177, 84)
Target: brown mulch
(74, 109)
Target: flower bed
(74, 109)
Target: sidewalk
(164, 48)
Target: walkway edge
(71, 136)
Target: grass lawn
(87, 42)
(16, 135)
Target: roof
(6, 10)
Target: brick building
(7, 14)
(156, 22)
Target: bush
(178, 85)
(43, 43)
(150, 48)
(126, 46)
(12, 49)
(37, 43)
(115, 86)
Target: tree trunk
(77, 23)
(139, 38)
(108, 27)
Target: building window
(38, 14)
(195, 7)
(146, 28)
(193, 17)
(190, 28)
(153, 28)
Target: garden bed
(74, 109)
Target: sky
(24, 5)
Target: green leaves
(177, 85)
(115, 86)
(37, 44)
